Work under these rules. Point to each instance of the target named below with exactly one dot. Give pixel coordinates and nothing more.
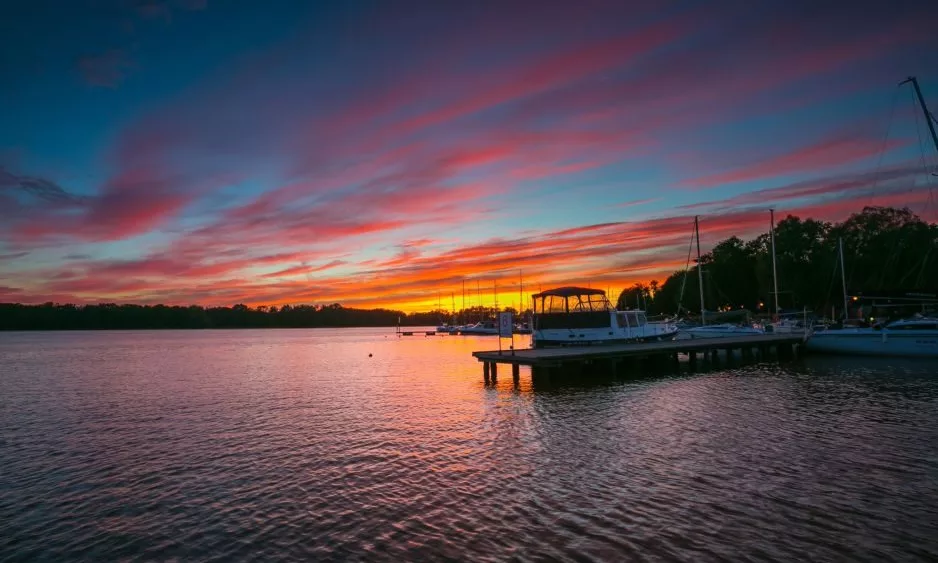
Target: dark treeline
(51, 316)
(54, 316)
(885, 249)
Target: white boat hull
(869, 342)
(719, 331)
(601, 336)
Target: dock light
(855, 297)
(761, 304)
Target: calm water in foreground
(262, 445)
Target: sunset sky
(380, 153)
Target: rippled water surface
(356, 445)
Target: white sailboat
(781, 324)
(722, 330)
(915, 337)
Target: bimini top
(568, 292)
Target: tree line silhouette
(885, 249)
(54, 316)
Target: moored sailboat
(722, 330)
(914, 337)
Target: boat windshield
(571, 303)
(632, 319)
(587, 303)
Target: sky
(387, 154)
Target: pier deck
(555, 357)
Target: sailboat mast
(463, 299)
(843, 278)
(774, 274)
(921, 100)
(703, 311)
(520, 292)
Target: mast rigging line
(882, 149)
(690, 249)
(925, 112)
(924, 159)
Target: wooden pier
(545, 359)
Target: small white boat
(917, 337)
(724, 330)
(785, 326)
(578, 316)
(719, 330)
(480, 328)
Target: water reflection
(356, 444)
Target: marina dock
(546, 359)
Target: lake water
(357, 445)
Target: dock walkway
(783, 344)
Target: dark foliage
(884, 249)
(51, 316)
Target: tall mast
(921, 101)
(774, 275)
(520, 292)
(463, 298)
(703, 311)
(843, 278)
(452, 296)
(495, 293)
(479, 290)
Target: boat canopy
(570, 300)
(569, 291)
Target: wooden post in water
(515, 372)
(494, 371)
(485, 371)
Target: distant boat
(787, 325)
(481, 328)
(916, 337)
(521, 328)
(579, 316)
(722, 330)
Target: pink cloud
(821, 155)
(383, 159)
